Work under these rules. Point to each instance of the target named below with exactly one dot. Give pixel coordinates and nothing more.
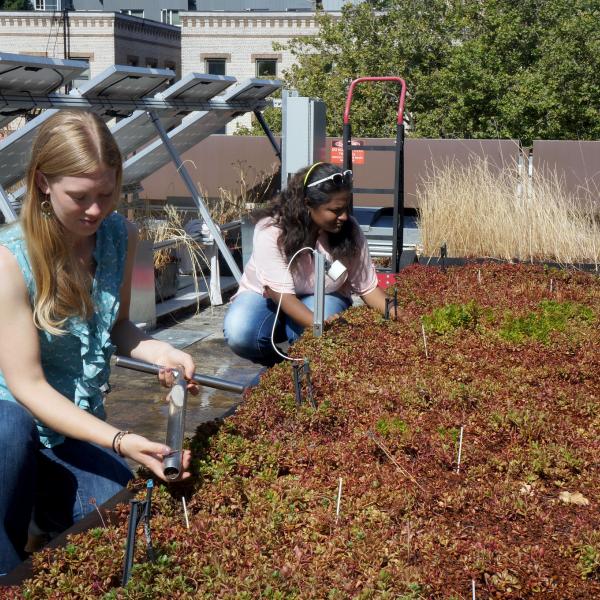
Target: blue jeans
(249, 321)
(54, 485)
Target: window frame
(270, 59)
(215, 60)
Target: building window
(169, 64)
(133, 12)
(46, 4)
(266, 67)
(215, 66)
(132, 61)
(152, 63)
(169, 16)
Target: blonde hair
(69, 143)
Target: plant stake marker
(185, 513)
(479, 276)
(473, 589)
(339, 500)
(95, 505)
(551, 285)
(424, 339)
(459, 449)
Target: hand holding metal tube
(175, 460)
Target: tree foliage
(527, 69)
(16, 5)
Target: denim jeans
(249, 321)
(54, 485)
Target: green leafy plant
(266, 516)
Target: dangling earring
(46, 207)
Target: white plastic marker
(339, 500)
(551, 285)
(473, 589)
(424, 339)
(187, 521)
(459, 449)
(95, 505)
(479, 276)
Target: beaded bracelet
(116, 443)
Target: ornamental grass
(478, 210)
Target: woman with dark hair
(311, 213)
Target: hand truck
(398, 189)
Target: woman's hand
(151, 454)
(376, 299)
(176, 359)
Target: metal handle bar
(364, 79)
(205, 380)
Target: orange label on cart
(337, 153)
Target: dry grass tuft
(253, 187)
(479, 210)
(168, 225)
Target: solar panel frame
(193, 129)
(138, 129)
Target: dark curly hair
(289, 211)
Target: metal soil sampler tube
(173, 462)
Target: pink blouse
(267, 266)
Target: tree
(473, 69)
(524, 70)
(15, 5)
(380, 38)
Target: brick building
(100, 38)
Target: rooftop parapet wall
(218, 160)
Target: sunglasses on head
(336, 178)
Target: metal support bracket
(443, 255)
(265, 127)
(393, 301)
(301, 372)
(139, 510)
(212, 227)
(6, 207)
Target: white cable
(279, 307)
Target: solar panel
(197, 87)
(124, 82)
(194, 128)
(33, 75)
(36, 75)
(111, 83)
(137, 130)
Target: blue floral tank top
(77, 364)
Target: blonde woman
(65, 287)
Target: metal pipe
(205, 380)
(319, 303)
(6, 207)
(173, 463)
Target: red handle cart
(398, 190)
